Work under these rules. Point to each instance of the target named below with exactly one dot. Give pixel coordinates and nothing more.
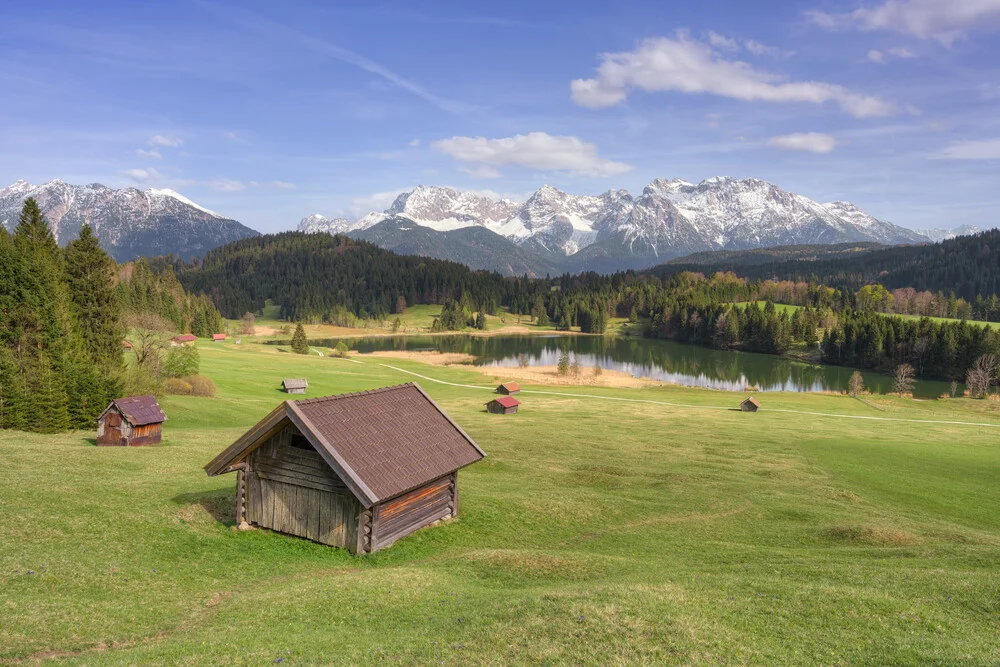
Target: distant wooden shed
(218, 337)
(131, 422)
(509, 388)
(358, 471)
(750, 404)
(505, 405)
(295, 385)
(183, 339)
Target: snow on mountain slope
(940, 234)
(128, 222)
(669, 219)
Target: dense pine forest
(321, 278)
(966, 266)
(64, 316)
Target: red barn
(505, 405)
(130, 422)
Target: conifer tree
(90, 272)
(299, 343)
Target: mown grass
(596, 532)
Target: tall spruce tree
(299, 343)
(95, 303)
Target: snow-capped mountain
(128, 222)
(940, 234)
(669, 219)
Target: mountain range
(549, 233)
(127, 222)
(556, 230)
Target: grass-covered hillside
(662, 529)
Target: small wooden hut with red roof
(508, 388)
(218, 337)
(750, 404)
(131, 422)
(505, 405)
(358, 471)
(183, 339)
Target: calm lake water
(678, 363)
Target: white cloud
(414, 143)
(984, 149)
(153, 177)
(943, 20)
(720, 42)
(808, 142)
(481, 171)
(902, 52)
(876, 56)
(378, 201)
(688, 66)
(536, 150)
(163, 140)
(226, 185)
(155, 155)
(758, 49)
(235, 138)
(283, 185)
(143, 175)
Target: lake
(677, 363)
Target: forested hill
(319, 277)
(967, 265)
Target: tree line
(64, 316)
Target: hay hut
(294, 385)
(505, 405)
(131, 422)
(508, 388)
(358, 471)
(750, 404)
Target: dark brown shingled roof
(139, 410)
(382, 442)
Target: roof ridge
(364, 392)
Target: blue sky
(267, 112)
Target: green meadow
(667, 528)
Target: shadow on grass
(91, 441)
(219, 506)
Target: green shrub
(182, 361)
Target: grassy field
(596, 532)
(416, 320)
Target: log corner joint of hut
(358, 471)
(130, 422)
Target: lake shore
(541, 375)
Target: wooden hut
(294, 385)
(130, 422)
(508, 388)
(358, 471)
(750, 404)
(505, 405)
(216, 338)
(183, 339)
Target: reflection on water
(678, 363)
